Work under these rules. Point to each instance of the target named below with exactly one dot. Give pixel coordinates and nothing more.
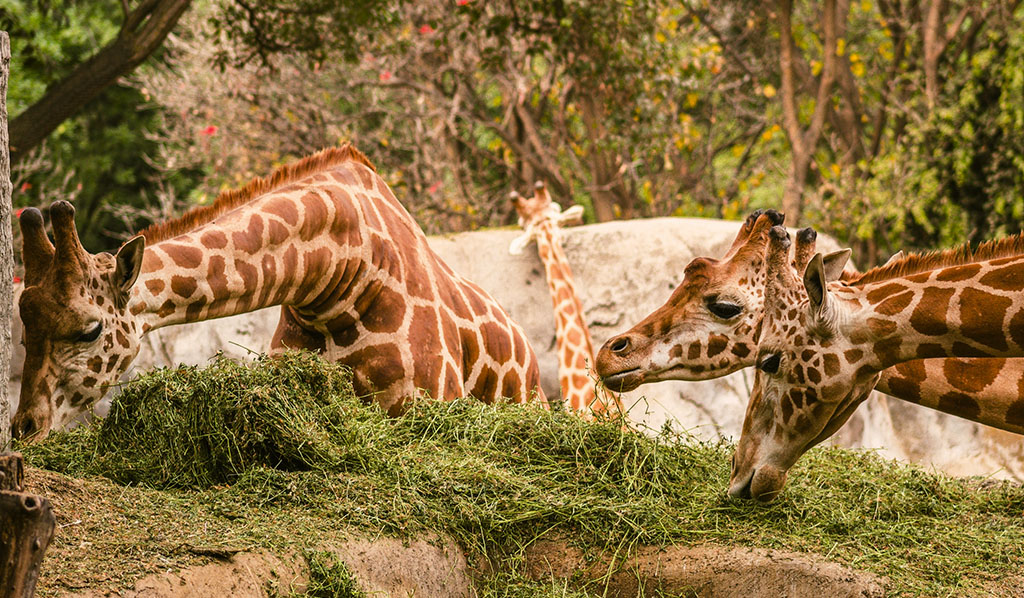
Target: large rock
(624, 270)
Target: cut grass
(279, 454)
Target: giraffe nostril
(619, 345)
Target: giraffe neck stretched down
(324, 238)
(541, 218)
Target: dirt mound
(708, 572)
(381, 567)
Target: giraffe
(541, 218)
(324, 238)
(707, 329)
(823, 346)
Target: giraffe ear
(518, 244)
(834, 263)
(572, 216)
(815, 284)
(129, 263)
(895, 257)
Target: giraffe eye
(769, 363)
(92, 333)
(724, 309)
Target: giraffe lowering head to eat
(324, 238)
(823, 345)
(541, 218)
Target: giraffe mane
(914, 263)
(231, 199)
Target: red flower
(26, 186)
(17, 213)
(210, 131)
(17, 279)
(426, 30)
(434, 187)
(385, 75)
(462, 2)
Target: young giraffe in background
(824, 344)
(324, 238)
(541, 218)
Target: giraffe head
(538, 211)
(79, 337)
(809, 377)
(706, 329)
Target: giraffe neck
(970, 310)
(987, 391)
(267, 252)
(572, 337)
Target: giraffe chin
(763, 485)
(624, 381)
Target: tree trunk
(26, 528)
(6, 249)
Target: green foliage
(496, 478)
(99, 158)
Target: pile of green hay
(280, 452)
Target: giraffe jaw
(624, 381)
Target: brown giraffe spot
(676, 352)
(470, 349)
(880, 327)
(384, 311)
(452, 383)
(741, 350)
(89, 382)
(887, 350)
(155, 286)
(284, 209)
(930, 350)
(519, 347)
(959, 404)
(194, 310)
(166, 309)
(973, 375)
(929, 316)
(806, 355)
(111, 363)
(1015, 412)
(787, 408)
(249, 276)
(476, 304)
(853, 355)
(217, 278)
(1005, 260)
(920, 278)
(510, 385)
(496, 342)
(1010, 278)
(694, 351)
(183, 255)
(213, 239)
(895, 304)
(797, 374)
(122, 339)
(486, 384)
(716, 344)
(978, 313)
(183, 286)
(1016, 328)
(268, 267)
(125, 361)
(958, 273)
(77, 399)
(379, 366)
(831, 364)
(814, 375)
(574, 337)
(95, 364)
(277, 233)
(878, 295)
(314, 216)
(907, 390)
(99, 300)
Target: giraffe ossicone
(824, 345)
(324, 238)
(541, 219)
